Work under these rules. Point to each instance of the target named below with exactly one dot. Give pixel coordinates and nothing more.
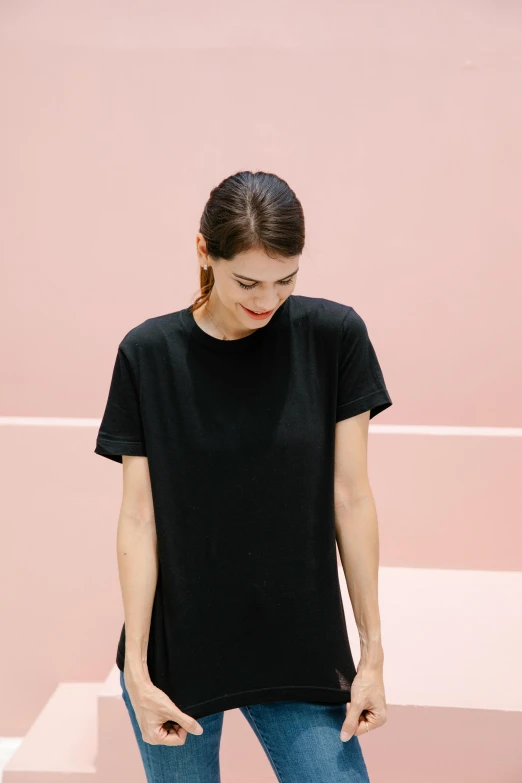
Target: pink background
(399, 126)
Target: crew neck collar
(233, 346)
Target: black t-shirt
(240, 438)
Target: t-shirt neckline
(232, 346)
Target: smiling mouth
(256, 312)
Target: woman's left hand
(367, 708)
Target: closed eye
(283, 282)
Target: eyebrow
(260, 281)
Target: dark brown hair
(250, 211)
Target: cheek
(235, 294)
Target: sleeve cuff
(375, 402)
(115, 449)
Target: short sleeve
(361, 385)
(121, 428)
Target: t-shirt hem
(316, 694)
(312, 693)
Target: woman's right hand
(160, 721)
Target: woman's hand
(160, 721)
(367, 709)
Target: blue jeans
(301, 740)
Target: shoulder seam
(129, 365)
(350, 308)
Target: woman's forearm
(138, 572)
(358, 541)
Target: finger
(175, 728)
(351, 722)
(363, 728)
(173, 736)
(187, 722)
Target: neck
(219, 322)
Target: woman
(241, 422)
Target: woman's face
(252, 281)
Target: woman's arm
(160, 720)
(358, 540)
(137, 563)
(357, 534)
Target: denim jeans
(301, 740)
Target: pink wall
(399, 126)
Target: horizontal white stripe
(441, 429)
(46, 421)
(382, 429)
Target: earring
(205, 267)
